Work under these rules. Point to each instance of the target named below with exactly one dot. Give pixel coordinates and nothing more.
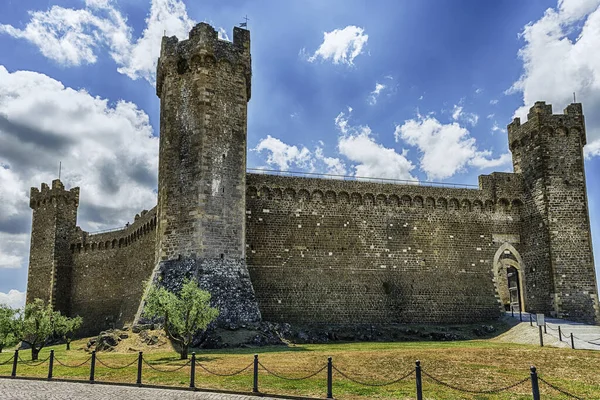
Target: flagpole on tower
(59, 169)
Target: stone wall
(548, 153)
(54, 220)
(109, 272)
(345, 251)
(204, 87)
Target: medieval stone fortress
(312, 250)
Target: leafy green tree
(7, 338)
(184, 313)
(35, 325)
(66, 327)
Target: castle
(313, 250)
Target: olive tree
(66, 327)
(184, 313)
(7, 337)
(37, 323)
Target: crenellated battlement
(300, 249)
(203, 49)
(499, 192)
(144, 223)
(53, 195)
(542, 123)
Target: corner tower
(548, 152)
(50, 264)
(204, 88)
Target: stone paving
(17, 389)
(585, 336)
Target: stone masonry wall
(346, 251)
(548, 153)
(50, 265)
(109, 272)
(204, 87)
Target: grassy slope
(477, 364)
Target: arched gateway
(509, 278)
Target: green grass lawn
(477, 365)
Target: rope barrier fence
(33, 364)
(403, 377)
(572, 396)
(290, 378)
(72, 366)
(117, 367)
(417, 373)
(7, 361)
(224, 375)
(472, 391)
(165, 370)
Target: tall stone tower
(204, 87)
(53, 223)
(555, 234)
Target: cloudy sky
(418, 90)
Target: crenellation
(305, 250)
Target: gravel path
(585, 336)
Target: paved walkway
(585, 336)
(17, 389)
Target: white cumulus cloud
(107, 149)
(74, 37)
(445, 148)
(13, 298)
(372, 159)
(560, 57)
(341, 45)
(333, 165)
(459, 114)
(282, 155)
(372, 99)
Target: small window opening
(222, 256)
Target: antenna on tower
(59, 169)
(165, 32)
(574, 100)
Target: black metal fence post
(512, 311)
(530, 320)
(14, 368)
(572, 341)
(139, 374)
(520, 315)
(255, 381)
(545, 328)
(51, 364)
(541, 336)
(93, 366)
(535, 388)
(193, 371)
(419, 381)
(329, 378)
(559, 334)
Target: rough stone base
(227, 281)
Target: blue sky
(399, 89)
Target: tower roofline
(540, 119)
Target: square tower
(548, 152)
